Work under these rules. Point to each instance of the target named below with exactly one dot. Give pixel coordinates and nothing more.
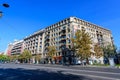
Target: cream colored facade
(35, 42)
(60, 34)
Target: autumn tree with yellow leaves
(98, 51)
(82, 44)
(51, 52)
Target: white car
(78, 62)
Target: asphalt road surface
(54, 72)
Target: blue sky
(24, 17)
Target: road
(55, 72)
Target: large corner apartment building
(60, 34)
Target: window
(68, 41)
(56, 34)
(64, 27)
(74, 36)
(68, 35)
(69, 46)
(78, 26)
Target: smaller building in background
(8, 50)
(1, 52)
(15, 48)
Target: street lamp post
(4, 5)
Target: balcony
(63, 34)
(47, 34)
(63, 38)
(47, 38)
(62, 47)
(47, 44)
(46, 41)
(63, 29)
(63, 44)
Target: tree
(3, 58)
(13, 57)
(37, 57)
(25, 56)
(109, 51)
(51, 52)
(98, 51)
(82, 44)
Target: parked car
(17, 62)
(78, 62)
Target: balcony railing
(63, 34)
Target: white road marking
(102, 77)
(76, 70)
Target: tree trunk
(87, 61)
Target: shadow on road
(24, 74)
